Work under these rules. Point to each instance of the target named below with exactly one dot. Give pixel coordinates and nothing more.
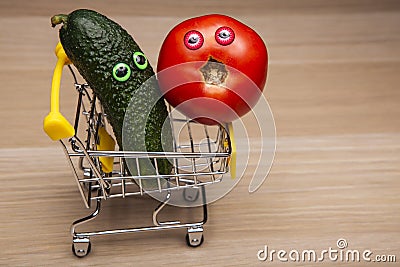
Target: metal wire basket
(200, 157)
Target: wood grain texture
(332, 86)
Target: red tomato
(212, 68)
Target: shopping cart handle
(55, 124)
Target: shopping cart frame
(200, 170)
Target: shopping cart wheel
(194, 237)
(81, 247)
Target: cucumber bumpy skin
(95, 45)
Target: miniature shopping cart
(201, 156)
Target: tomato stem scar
(214, 72)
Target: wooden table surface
(333, 87)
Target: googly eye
(121, 72)
(193, 40)
(224, 35)
(140, 60)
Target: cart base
(81, 245)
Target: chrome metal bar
(78, 111)
(86, 219)
(159, 208)
(174, 144)
(140, 154)
(91, 129)
(139, 176)
(196, 145)
(139, 229)
(205, 212)
(73, 74)
(136, 193)
(210, 162)
(123, 182)
(71, 164)
(94, 168)
(192, 150)
(165, 176)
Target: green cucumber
(115, 68)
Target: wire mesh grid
(200, 155)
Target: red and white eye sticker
(224, 35)
(193, 40)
